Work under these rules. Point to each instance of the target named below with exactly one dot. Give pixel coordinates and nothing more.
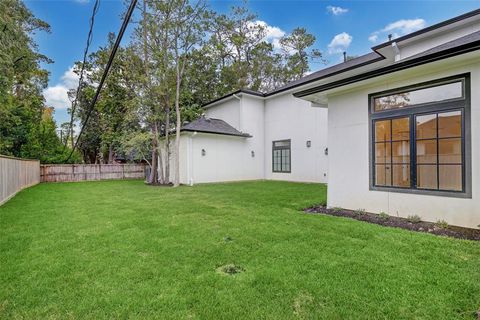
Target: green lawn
(120, 249)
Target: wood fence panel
(17, 174)
(90, 172)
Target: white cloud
(70, 79)
(336, 11)
(272, 34)
(373, 38)
(398, 28)
(57, 96)
(340, 43)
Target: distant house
(403, 129)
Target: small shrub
(336, 209)
(383, 216)
(323, 203)
(360, 211)
(414, 218)
(441, 224)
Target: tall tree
(26, 126)
(115, 110)
(298, 56)
(187, 29)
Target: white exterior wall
(227, 158)
(287, 117)
(228, 111)
(348, 139)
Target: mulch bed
(397, 222)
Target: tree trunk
(161, 176)
(154, 172)
(177, 132)
(110, 154)
(167, 143)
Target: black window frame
(289, 148)
(462, 104)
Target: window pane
(426, 126)
(432, 94)
(276, 160)
(382, 152)
(401, 152)
(427, 151)
(450, 177)
(382, 130)
(383, 175)
(427, 176)
(281, 143)
(401, 175)
(450, 124)
(401, 129)
(450, 150)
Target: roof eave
(463, 49)
(436, 26)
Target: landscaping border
(412, 224)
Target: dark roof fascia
(428, 29)
(469, 47)
(328, 75)
(246, 135)
(250, 92)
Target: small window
(281, 156)
(442, 92)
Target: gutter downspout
(190, 159)
(240, 112)
(396, 50)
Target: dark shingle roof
(330, 71)
(216, 126)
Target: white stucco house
(396, 130)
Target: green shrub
(336, 209)
(441, 224)
(414, 218)
(383, 216)
(360, 211)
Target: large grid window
(419, 137)
(281, 156)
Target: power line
(128, 15)
(80, 80)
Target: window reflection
(433, 94)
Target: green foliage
(136, 145)
(384, 216)
(414, 218)
(360, 211)
(26, 127)
(442, 224)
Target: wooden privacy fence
(17, 174)
(84, 172)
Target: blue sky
(338, 25)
